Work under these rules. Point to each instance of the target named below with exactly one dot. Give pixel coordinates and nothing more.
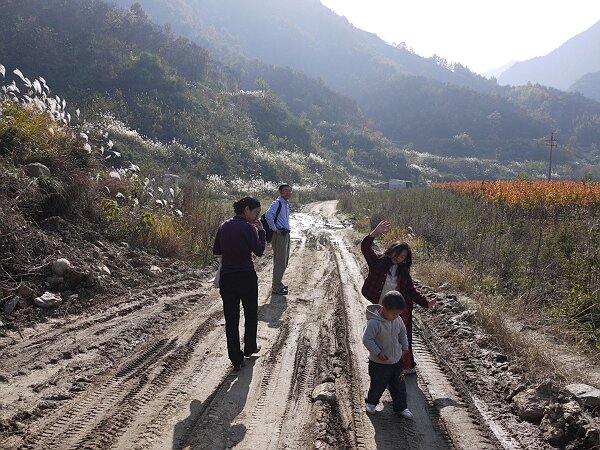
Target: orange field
(530, 193)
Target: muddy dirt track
(150, 370)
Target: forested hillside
(105, 59)
(303, 35)
(423, 104)
(588, 85)
(245, 118)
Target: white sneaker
(371, 409)
(406, 414)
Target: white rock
(104, 269)
(60, 266)
(48, 300)
(153, 271)
(325, 392)
(115, 175)
(588, 395)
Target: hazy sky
(480, 34)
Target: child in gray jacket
(385, 338)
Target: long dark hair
(240, 205)
(394, 250)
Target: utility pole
(551, 143)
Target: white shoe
(406, 414)
(371, 409)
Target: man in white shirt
(279, 222)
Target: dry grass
(166, 236)
(493, 316)
(535, 362)
(436, 273)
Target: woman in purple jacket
(236, 240)
(388, 272)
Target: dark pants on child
(233, 288)
(387, 376)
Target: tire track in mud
(91, 355)
(103, 414)
(120, 415)
(359, 434)
(277, 411)
(464, 410)
(145, 310)
(283, 397)
(384, 429)
(298, 400)
(110, 310)
(70, 420)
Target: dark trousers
(387, 376)
(233, 288)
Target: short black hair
(284, 185)
(393, 300)
(240, 205)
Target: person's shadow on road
(210, 424)
(272, 312)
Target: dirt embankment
(149, 369)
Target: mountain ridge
(561, 67)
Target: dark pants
(233, 288)
(387, 376)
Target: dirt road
(151, 370)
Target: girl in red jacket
(389, 272)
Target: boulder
(36, 170)
(530, 404)
(60, 267)
(48, 300)
(324, 391)
(587, 395)
(562, 423)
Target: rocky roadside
(551, 414)
(79, 271)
